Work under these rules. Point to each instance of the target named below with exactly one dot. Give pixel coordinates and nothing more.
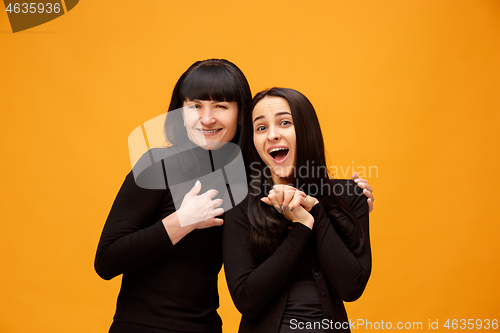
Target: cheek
(293, 142)
(231, 122)
(258, 145)
(190, 119)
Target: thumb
(354, 175)
(266, 201)
(196, 189)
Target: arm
(131, 238)
(346, 272)
(135, 234)
(252, 285)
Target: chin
(287, 173)
(214, 145)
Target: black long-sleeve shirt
(164, 286)
(260, 290)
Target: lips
(209, 132)
(278, 154)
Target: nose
(273, 134)
(206, 115)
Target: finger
(289, 187)
(369, 195)
(307, 202)
(360, 180)
(296, 202)
(370, 205)
(217, 202)
(278, 192)
(196, 189)
(287, 197)
(272, 198)
(365, 186)
(279, 187)
(218, 222)
(354, 175)
(266, 201)
(301, 193)
(211, 193)
(212, 222)
(217, 212)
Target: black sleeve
(346, 272)
(252, 285)
(131, 236)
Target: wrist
(308, 222)
(174, 229)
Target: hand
(367, 190)
(200, 210)
(295, 212)
(284, 195)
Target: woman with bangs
(170, 269)
(291, 258)
(170, 258)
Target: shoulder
(237, 217)
(239, 209)
(148, 171)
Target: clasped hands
(295, 205)
(292, 203)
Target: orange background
(411, 87)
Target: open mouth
(207, 132)
(279, 154)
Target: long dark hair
(267, 227)
(212, 79)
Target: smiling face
(210, 124)
(274, 137)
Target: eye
(260, 128)
(221, 106)
(193, 106)
(285, 122)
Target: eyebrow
(275, 115)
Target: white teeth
(277, 149)
(211, 131)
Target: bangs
(210, 83)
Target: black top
(260, 291)
(163, 286)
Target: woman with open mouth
(292, 258)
